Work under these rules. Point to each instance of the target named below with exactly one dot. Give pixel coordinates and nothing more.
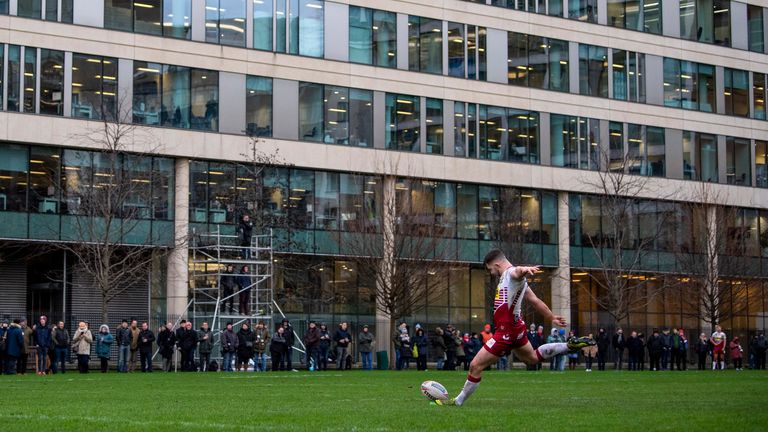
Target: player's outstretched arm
(543, 309)
(521, 271)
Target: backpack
(213, 366)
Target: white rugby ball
(433, 390)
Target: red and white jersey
(508, 301)
(718, 339)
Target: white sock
(550, 350)
(469, 387)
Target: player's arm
(543, 309)
(520, 271)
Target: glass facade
(335, 115)
(689, 85)
(758, 95)
(761, 166)
(467, 56)
(51, 82)
(755, 28)
(736, 92)
(258, 106)
(700, 157)
(706, 21)
(538, 62)
(30, 9)
(575, 142)
(593, 70)
(29, 84)
(628, 72)
(177, 19)
(434, 131)
(583, 10)
(645, 150)
(425, 45)
(372, 37)
(508, 134)
(94, 87)
(225, 22)
(13, 82)
(403, 122)
(640, 15)
(738, 161)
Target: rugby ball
(433, 390)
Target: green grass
(516, 400)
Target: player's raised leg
(529, 356)
(482, 360)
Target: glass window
(67, 7)
(4, 7)
(466, 210)
(583, 10)
(700, 156)
(434, 120)
(177, 19)
(593, 70)
(517, 58)
(147, 93)
(688, 19)
(456, 46)
(174, 111)
(76, 179)
(761, 164)
(384, 38)
(258, 106)
(759, 95)
(13, 81)
(655, 151)
(2, 73)
(738, 161)
(554, 8)
(13, 177)
(311, 112)
(361, 118)
(311, 28)
(619, 72)
(360, 35)
(403, 122)
(616, 147)
(221, 193)
(262, 24)
(425, 45)
(326, 207)
(706, 88)
(522, 128)
(94, 87)
(52, 10)
(445, 209)
(225, 22)
(537, 61)
(628, 76)
(30, 80)
(300, 208)
(163, 175)
(51, 82)
(558, 65)
(652, 16)
(672, 83)
(44, 179)
(198, 191)
(204, 101)
(492, 132)
(148, 17)
(356, 199)
(736, 92)
(118, 14)
(336, 115)
(575, 142)
(755, 28)
(489, 199)
(460, 129)
(137, 172)
(721, 21)
(646, 150)
(281, 42)
(30, 9)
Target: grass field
(356, 400)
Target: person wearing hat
(311, 342)
(364, 342)
(290, 338)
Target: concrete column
(379, 117)
(386, 265)
(402, 41)
(561, 279)
(178, 260)
(125, 90)
(67, 84)
(573, 66)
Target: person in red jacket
(736, 353)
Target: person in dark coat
(14, 345)
(421, 342)
(166, 339)
(702, 349)
(666, 348)
(204, 346)
(311, 342)
(42, 338)
(61, 341)
(635, 348)
(603, 345)
(123, 338)
(450, 349)
(187, 341)
(246, 341)
(228, 341)
(146, 338)
(290, 339)
(342, 337)
(228, 285)
(323, 346)
(244, 282)
(471, 347)
(406, 349)
(619, 342)
(535, 340)
(365, 347)
(760, 347)
(245, 228)
(438, 348)
(278, 349)
(655, 350)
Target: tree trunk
(104, 306)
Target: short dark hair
(493, 255)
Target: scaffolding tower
(212, 253)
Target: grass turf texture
(386, 400)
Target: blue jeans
(398, 361)
(41, 359)
(123, 354)
(60, 357)
(665, 358)
(367, 359)
(503, 363)
(226, 362)
(440, 363)
(260, 362)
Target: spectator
(228, 285)
(146, 338)
(324, 346)
(342, 339)
(561, 357)
(421, 343)
(28, 343)
(666, 344)
(61, 344)
(134, 344)
(750, 364)
(365, 343)
(702, 349)
(573, 357)
(398, 346)
(42, 338)
(228, 341)
(104, 341)
(406, 349)
(641, 355)
(450, 348)
(487, 334)
(246, 340)
(737, 353)
(81, 345)
(278, 349)
(619, 343)
(589, 353)
(262, 342)
(760, 346)
(245, 283)
(290, 339)
(14, 346)
(3, 334)
(682, 350)
(166, 340)
(204, 346)
(311, 344)
(471, 348)
(655, 350)
(718, 341)
(123, 337)
(635, 350)
(533, 338)
(187, 340)
(438, 348)
(245, 229)
(554, 362)
(675, 350)
(458, 340)
(603, 344)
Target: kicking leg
(482, 360)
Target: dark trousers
(205, 360)
(21, 364)
(10, 365)
(702, 361)
(759, 360)
(450, 362)
(617, 359)
(82, 362)
(228, 304)
(146, 361)
(288, 355)
(188, 360)
(632, 362)
(656, 361)
(421, 362)
(589, 362)
(678, 359)
(322, 358)
(245, 302)
(665, 355)
(737, 363)
(314, 354)
(601, 360)
(60, 358)
(278, 361)
(104, 364)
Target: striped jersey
(509, 298)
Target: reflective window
(616, 152)
(13, 177)
(67, 7)
(700, 157)
(522, 141)
(2, 73)
(583, 10)
(44, 178)
(575, 142)
(177, 18)
(593, 70)
(176, 96)
(722, 21)
(761, 164)
(30, 79)
(755, 28)
(52, 10)
(646, 150)
(148, 17)
(641, 15)
(281, 11)
(51, 82)
(467, 211)
(204, 112)
(225, 22)
(310, 28)
(689, 85)
(147, 93)
(736, 91)
(425, 45)
(706, 21)
(628, 72)
(163, 178)
(221, 193)
(445, 209)
(118, 14)
(456, 41)
(361, 118)
(30, 9)
(311, 112)
(372, 37)
(402, 122)
(94, 87)
(492, 132)
(13, 82)
(537, 62)
(336, 115)
(326, 206)
(4, 7)
(738, 161)
(198, 191)
(262, 24)
(759, 95)
(434, 120)
(258, 106)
